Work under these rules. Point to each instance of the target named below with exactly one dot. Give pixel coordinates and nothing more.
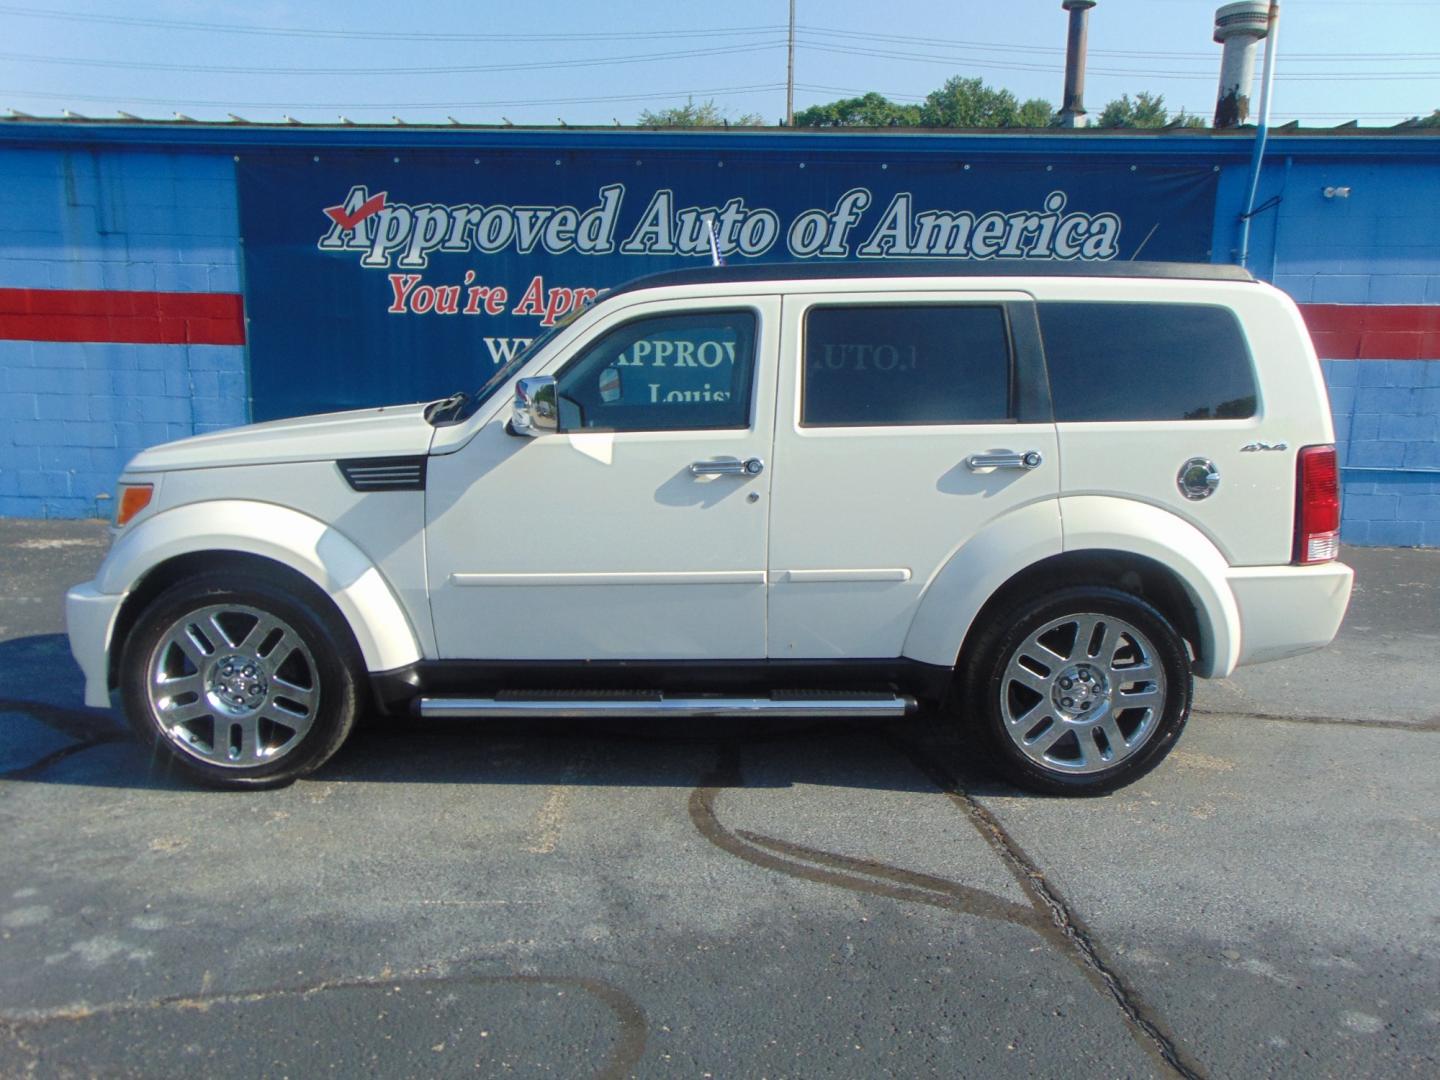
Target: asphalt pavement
(730, 900)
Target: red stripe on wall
(1374, 331)
(108, 315)
(1340, 331)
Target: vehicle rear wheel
(238, 682)
(1079, 692)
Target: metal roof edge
(236, 137)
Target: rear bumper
(1288, 610)
(89, 618)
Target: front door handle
(749, 467)
(1005, 459)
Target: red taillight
(1317, 505)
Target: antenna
(716, 259)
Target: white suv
(1036, 496)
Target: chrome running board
(559, 706)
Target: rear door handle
(730, 467)
(1005, 459)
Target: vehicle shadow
(43, 687)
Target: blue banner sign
(373, 279)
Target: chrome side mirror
(534, 411)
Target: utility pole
(790, 73)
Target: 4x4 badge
(1256, 447)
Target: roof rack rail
(914, 268)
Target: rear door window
(904, 364)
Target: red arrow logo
(346, 221)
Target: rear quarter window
(1146, 361)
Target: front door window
(664, 373)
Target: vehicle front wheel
(239, 682)
(1080, 691)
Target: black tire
(323, 640)
(1013, 702)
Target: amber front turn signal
(133, 499)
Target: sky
(548, 61)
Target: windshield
(515, 363)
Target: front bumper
(1288, 610)
(89, 619)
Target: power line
(544, 65)
(368, 35)
(931, 58)
(389, 105)
(710, 32)
(722, 50)
(1003, 65)
(995, 46)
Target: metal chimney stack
(1072, 111)
(1239, 27)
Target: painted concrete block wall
(165, 221)
(72, 413)
(1378, 245)
(1387, 430)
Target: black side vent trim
(385, 473)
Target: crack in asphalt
(1431, 725)
(77, 724)
(71, 722)
(36, 768)
(1083, 948)
(858, 875)
(633, 1028)
(1048, 914)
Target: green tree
(689, 115)
(969, 103)
(1035, 113)
(1145, 111)
(871, 110)
(1433, 120)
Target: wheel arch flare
(207, 533)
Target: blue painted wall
(154, 208)
(72, 414)
(1378, 245)
(1387, 430)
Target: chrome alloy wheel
(1083, 693)
(233, 686)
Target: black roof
(928, 268)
